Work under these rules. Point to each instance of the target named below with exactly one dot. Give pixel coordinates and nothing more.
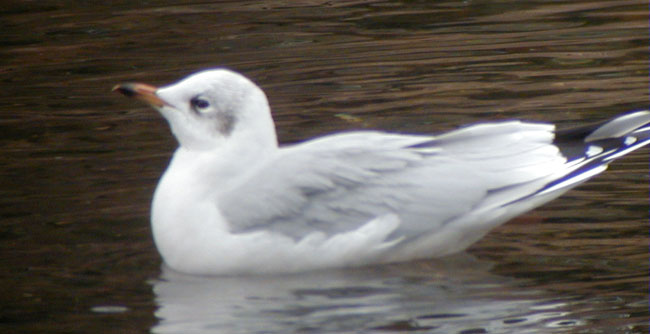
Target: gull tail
(589, 149)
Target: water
(79, 163)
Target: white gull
(232, 201)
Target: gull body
(233, 201)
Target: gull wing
(338, 183)
(475, 177)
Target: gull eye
(199, 104)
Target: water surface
(79, 164)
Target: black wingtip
(611, 135)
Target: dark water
(79, 164)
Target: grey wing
(341, 182)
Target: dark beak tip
(124, 89)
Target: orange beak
(143, 92)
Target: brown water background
(79, 164)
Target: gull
(233, 201)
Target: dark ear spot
(225, 122)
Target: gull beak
(143, 92)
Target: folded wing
(481, 174)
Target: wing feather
(338, 183)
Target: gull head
(210, 109)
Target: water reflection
(453, 295)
